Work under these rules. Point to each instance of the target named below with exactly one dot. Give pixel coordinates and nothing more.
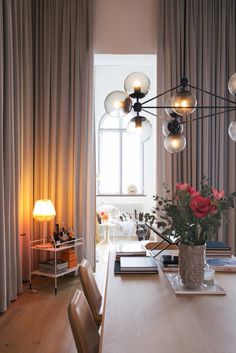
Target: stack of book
(131, 258)
(217, 249)
(49, 266)
(138, 264)
(130, 250)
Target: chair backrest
(82, 323)
(91, 290)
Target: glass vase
(191, 265)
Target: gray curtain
(46, 127)
(64, 155)
(210, 60)
(13, 81)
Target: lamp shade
(232, 84)
(44, 210)
(141, 126)
(175, 143)
(118, 104)
(137, 83)
(184, 102)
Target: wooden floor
(37, 321)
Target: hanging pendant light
(232, 130)
(118, 104)
(184, 102)
(232, 84)
(137, 85)
(175, 143)
(140, 126)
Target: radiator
(129, 208)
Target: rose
(218, 195)
(202, 206)
(187, 188)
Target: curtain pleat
(210, 60)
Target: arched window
(120, 158)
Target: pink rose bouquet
(193, 215)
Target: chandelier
(180, 104)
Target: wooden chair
(82, 324)
(91, 290)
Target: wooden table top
(142, 314)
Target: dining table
(142, 314)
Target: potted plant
(194, 216)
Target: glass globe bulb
(118, 104)
(140, 126)
(232, 130)
(184, 103)
(175, 143)
(169, 110)
(166, 130)
(137, 84)
(232, 84)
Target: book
(222, 264)
(218, 254)
(52, 270)
(217, 245)
(138, 264)
(50, 265)
(130, 250)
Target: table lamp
(44, 211)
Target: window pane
(132, 160)
(109, 161)
(109, 122)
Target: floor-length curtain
(210, 60)
(15, 102)
(46, 127)
(63, 141)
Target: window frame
(121, 131)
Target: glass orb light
(184, 102)
(232, 84)
(137, 84)
(141, 126)
(169, 110)
(166, 130)
(118, 104)
(175, 143)
(232, 130)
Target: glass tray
(178, 287)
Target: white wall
(126, 26)
(110, 73)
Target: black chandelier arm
(208, 116)
(211, 94)
(161, 94)
(197, 107)
(146, 111)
